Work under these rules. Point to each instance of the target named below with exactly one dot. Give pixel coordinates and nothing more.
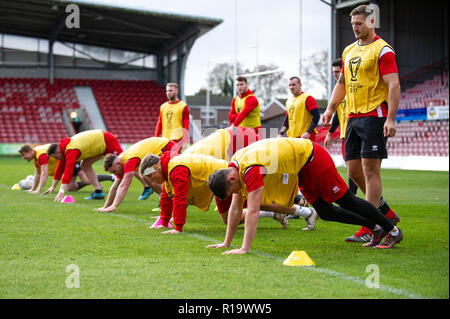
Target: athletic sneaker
(145, 194)
(363, 235)
(395, 219)
(390, 240)
(281, 218)
(95, 195)
(377, 235)
(311, 220)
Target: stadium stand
(31, 110)
(416, 137)
(130, 109)
(432, 92)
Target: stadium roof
(113, 27)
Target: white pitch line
(331, 273)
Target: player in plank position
(222, 144)
(272, 170)
(45, 166)
(87, 147)
(126, 165)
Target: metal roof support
(52, 38)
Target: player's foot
(361, 236)
(377, 235)
(146, 193)
(281, 218)
(96, 195)
(311, 220)
(159, 222)
(390, 240)
(395, 219)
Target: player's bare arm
(111, 195)
(234, 216)
(393, 82)
(251, 221)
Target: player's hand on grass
(59, 197)
(107, 209)
(172, 231)
(217, 245)
(48, 191)
(239, 251)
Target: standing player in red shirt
(370, 83)
(302, 114)
(245, 108)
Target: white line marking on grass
(328, 272)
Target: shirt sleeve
(166, 207)
(158, 129)
(250, 103)
(254, 178)
(59, 170)
(43, 159)
(387, 62)
(311, 103)
(70, 162)
(131, 165)
(232, 115)
(185, 122)
(180, 182)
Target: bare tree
(264, 86)
(317, 70)
(220, 78)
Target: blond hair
(172, 84)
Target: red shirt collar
(170, 102)
(248, 92)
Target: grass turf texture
(119, 257)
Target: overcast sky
(267, 31)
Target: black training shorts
(364, 138)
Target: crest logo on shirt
(169, 116)
(354, 65)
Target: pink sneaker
(159, 222)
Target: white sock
(265, 214)
(302, 211)
(394, 232)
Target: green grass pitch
(117, 256)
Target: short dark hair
(52, 149)
(218, 183)
(337, 62)
(241, 79)
(295, 78)
(25, 149)
(108, 161)
(363, 9)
